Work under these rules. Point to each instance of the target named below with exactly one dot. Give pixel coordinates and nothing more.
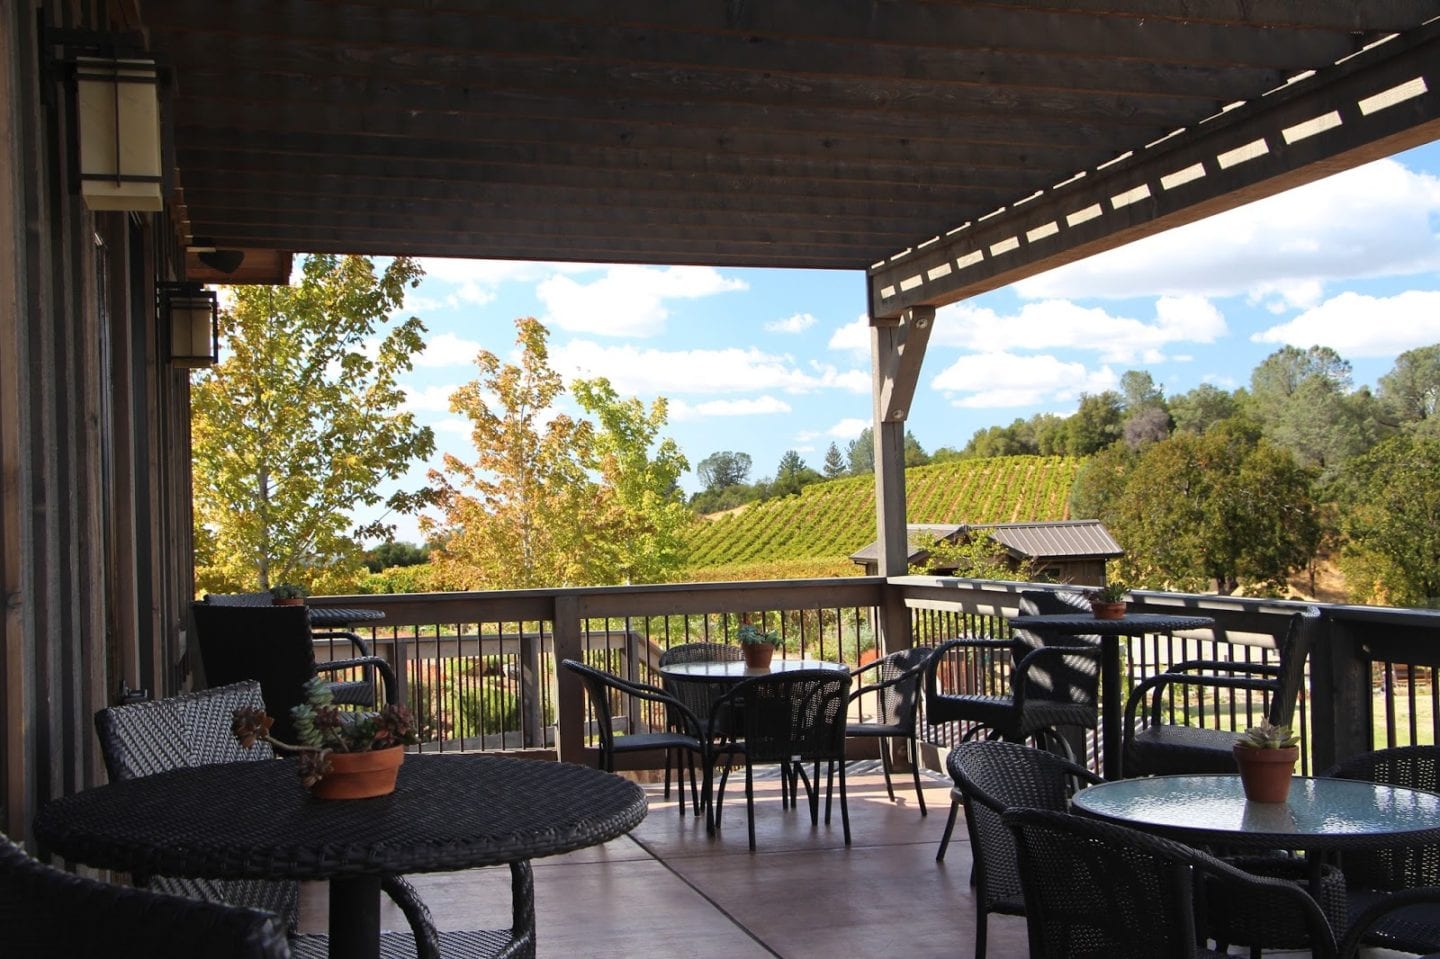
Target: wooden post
(570, 693)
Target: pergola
(944, 147)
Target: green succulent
(1267, 735)
(748, 634)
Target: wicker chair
(141, 739)
(788, 718)
(697, 697)
(1095, 889)
(274, 645)
(1157, 747)
(46, 912)
(1412, 924)
(991, 777)
(683, 732)
(1386, 910)
(896, 692)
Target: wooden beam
(900, 369)
(1243, 155)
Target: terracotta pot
(1265, 773)
(297, 601)
(758, 655)
(1108, 610)
(360, 775)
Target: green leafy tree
(915, 454)
(834, 466)
(1196, 411)
(1139, 392)
(1095, 424)
(792, 475)
(1303, 402)
(300, 426)
(860, 454)
(1101, 481)
(973, 555)
(1391, 522)
(641, 533)
(1410, 392)
(722, 469)
(517, 516)
(392, 554)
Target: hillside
(829, 521)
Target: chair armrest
(387, 672)
(1276, 895)
(1155, 687)
(1403, 899)
(422, 926)
(655, 694)
(1226, 666)
(361, 647)
(932, 664)
(908, 676)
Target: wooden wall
(94, 443)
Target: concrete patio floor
(667, 889)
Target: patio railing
(480, 668)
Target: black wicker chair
(683, 730)
(896, 696)
(1386, 911)
(698, 697)
(1411, 924)
(141, 739)
(274, 645)
(46, 912)
(789, 718)
(991, 777)
(1156, 747)
(1095, 889)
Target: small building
(1067, 551)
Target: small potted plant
(1108, 601)
(757, 645)
(1266, 756)
(288, 594)
(343, 754)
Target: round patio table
(734, 670)
(332, 616)
(254, 820)
(1112, 708)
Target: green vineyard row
(829, 521)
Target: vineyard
(829, 521)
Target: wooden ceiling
(845, 134)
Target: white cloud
(983, 380)
(477, 282)
(848, 429)
(1356, 325)
(1061, 324)
(429, 399)
(759, 406)
(798, 323)
(1372, 221)
(627, 300)
(456, 426)
(853, 337)
(447, 349)
(634, 370)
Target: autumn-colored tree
(554, 500)
(301, 425)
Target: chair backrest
(1294, 648)
(994, 776)
(188, 730)
(269, 644)
(904, 670)
(262, 598)
(796, 714)
(1074, 679)
(46, 912)
(1416, 767)
(1097, 889)
(600, 686)
(698, 697)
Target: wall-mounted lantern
(191, 313)
(117, 121)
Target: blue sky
(764, 361)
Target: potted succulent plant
(288, 594)
(1108, 601)
(757, 645)
(343, 754)
(1266, 756)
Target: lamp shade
(117, 113)
(191, 314)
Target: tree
(1392, 521)
(792, 475)
(392, 555)
(915, 454)
(301, 425)
(1410, 392)
(719, 470)
(641, 531)
(860, 454)
(1100, 483)
(1215, 512)
(834, 463)
(1094, 425)
(517, 516)
(1139, 392)
(1303, 402)
(1149, 425)
(1194, 412)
